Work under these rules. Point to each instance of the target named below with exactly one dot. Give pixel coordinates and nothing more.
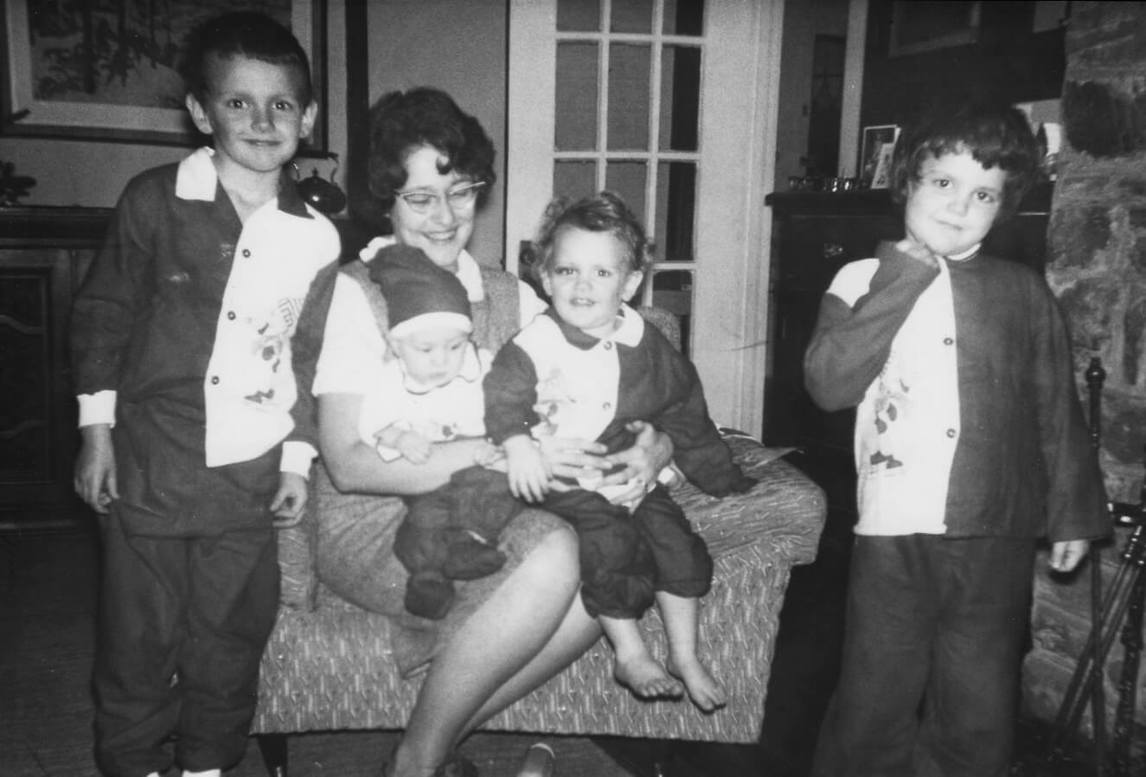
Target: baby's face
(953, 203)
(433, 356)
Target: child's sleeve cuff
(97, 408)
(297, 457)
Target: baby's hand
(527, 470)
(414, 447)
(917, 251)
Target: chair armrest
(297, 562)
(785, 508)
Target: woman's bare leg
(576, 634)
(504, 650)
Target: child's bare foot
(705, 692)
(646, 678)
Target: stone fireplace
(1097, 268)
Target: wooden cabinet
(43, 255)
(814, 234)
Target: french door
(672, 104)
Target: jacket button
(609, 345)
(246, 253)
(214, 380)
(607, 406)
(948, 341)
(951, 433)
(230, 315)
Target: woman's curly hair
(403, 121)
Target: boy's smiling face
(254, 111)
(953, 202)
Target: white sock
(208, 773)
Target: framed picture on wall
(109, 71)
(927, 25)
(878, 144)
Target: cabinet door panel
(36, 416)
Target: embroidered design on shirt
(891, 405)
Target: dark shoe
(429, 596)
(468, 557)
(457, 766)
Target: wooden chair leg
(273, 748)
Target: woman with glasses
(431, 167)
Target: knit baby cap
(419, 293)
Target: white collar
(197, 178)
(632, 327)
(964, 255)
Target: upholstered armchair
(328, 665)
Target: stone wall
(1097, 267)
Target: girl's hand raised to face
(917, 251)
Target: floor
(47, 602)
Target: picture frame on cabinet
(131, 90)
(878, 145)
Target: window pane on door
(676, 210)
(632, 16)
(628, 97)
(680, 98)
(576, 119)
(574, 179)
(578, 15)
(684, 17)
(628, 180)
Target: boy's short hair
(603, 212)
(247, 34)
(996, 135)
(401, 121)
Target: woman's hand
(572, 457)
(650, 453)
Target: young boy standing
(970, 445)
(182, 361)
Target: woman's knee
(557, 554)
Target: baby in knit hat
(431, 390)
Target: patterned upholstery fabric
(328, 665)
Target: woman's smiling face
(443, 231)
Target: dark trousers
(929, 680)
(625, 557)
(182, 626)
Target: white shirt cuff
(297, 457)
(97, 408)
